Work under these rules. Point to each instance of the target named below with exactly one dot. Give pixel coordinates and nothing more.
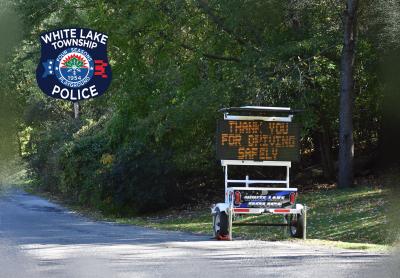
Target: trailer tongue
(258, 136)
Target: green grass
(353, 218)
(352, 215)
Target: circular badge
(74, 67)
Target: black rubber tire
(298, 223)
(223, 223)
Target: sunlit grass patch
(353, 215)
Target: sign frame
(288, 153)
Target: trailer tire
(221, 227)
(297, 226)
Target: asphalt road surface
(42, 239)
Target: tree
(150, 139)
(346, 141)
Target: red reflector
(241, 210)
(281, 210)
(237, 198)
(292, 197)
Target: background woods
(148, 143)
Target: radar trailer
(258, 136)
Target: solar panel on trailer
(260, 109)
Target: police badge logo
(73, 64)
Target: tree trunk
(76, 110)
(346, 143)
(19, 144)
(326, 155)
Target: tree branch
(218, 21)
(206, 55)
(221, 25)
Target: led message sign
(257, 140)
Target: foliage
(148, 143)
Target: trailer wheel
(297, 226)
(220, 222)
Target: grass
(353, 218)
(353, 215)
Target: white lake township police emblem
(73, 64)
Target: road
(42, 239)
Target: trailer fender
(300, 207)
(222, 207)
